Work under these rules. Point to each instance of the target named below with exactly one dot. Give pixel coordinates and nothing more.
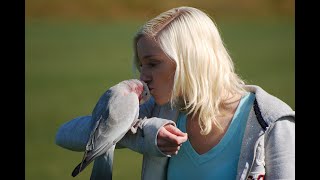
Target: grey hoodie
(266, 153)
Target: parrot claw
(137, 124)
(134, 129)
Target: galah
(113, 116)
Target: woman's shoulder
(271, 107)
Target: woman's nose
(145, 75)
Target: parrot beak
(145, 95)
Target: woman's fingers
(169, 150)
(172, 134)
(174, 130)
(170, 138)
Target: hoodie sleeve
(280, 149)
(145, 140)
(74, 134)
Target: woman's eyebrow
(147, 56)
(150, 58)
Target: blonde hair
(204, 75)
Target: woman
(229, 130)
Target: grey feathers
(112, 117)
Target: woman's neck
(203, 143)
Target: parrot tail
(80, 167)
(84, 163)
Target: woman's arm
(145, 140)
(74, 134)
(280, 150)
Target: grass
(70, 64)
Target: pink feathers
(136, 86)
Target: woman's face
(157, 70)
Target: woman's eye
(152, 65)
(149, 65)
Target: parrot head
(140, 88)
(145, 94)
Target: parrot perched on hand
(116, 113)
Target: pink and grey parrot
(116, 113)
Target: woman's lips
(151, 89)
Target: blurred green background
(75, 50)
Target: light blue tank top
(221, 161)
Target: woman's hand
(170, 138)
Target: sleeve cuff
(151, 130)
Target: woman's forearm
(74, 134)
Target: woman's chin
(160, 101)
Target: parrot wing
(113, 124)
(100, 111)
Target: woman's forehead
(147, 47)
